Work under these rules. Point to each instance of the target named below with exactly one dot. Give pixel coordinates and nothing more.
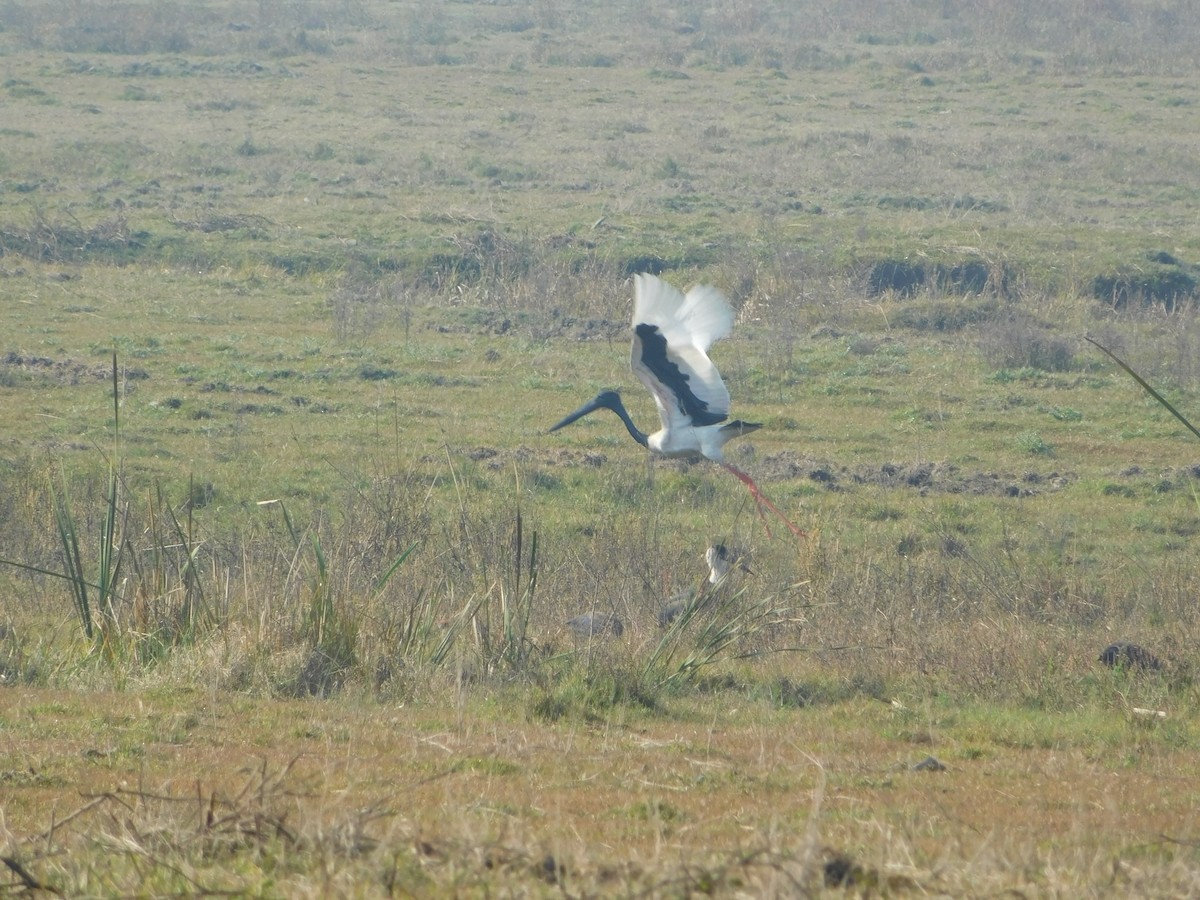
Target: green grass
(352, 268)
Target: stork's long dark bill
(606, 400)
(590, 406)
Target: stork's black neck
(618, 407)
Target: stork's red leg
(762, 500)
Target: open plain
(290, 293)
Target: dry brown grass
(424, 801)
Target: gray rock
(596, 624)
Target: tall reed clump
(170, 602)
(94, 599)
(333, 624)
(497, 620)
(132, 602)
(715, 626)
(500, 612)
(516, 603)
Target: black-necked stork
(721, 560)
(671, 336)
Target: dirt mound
(924, 477)
(64, 371)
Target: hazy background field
(353, 260)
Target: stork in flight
(671, 336)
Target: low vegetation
(291, 294)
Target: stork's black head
(603, 400)
(606, 400)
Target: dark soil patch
(566, 458)
(1167, 287)
(44, 369)
(895, 275)
(1160, 279)
(540, 327)
(925, 478)
(905, 278)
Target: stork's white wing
(671, 337)
(697, 320)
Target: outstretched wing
(671, 337)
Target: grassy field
(284, 602)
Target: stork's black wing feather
(666, 372)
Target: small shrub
(1017, 342)
(946, 315)
(1066, 414)
(1032, 442)
(322, 151)
(249, 148)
